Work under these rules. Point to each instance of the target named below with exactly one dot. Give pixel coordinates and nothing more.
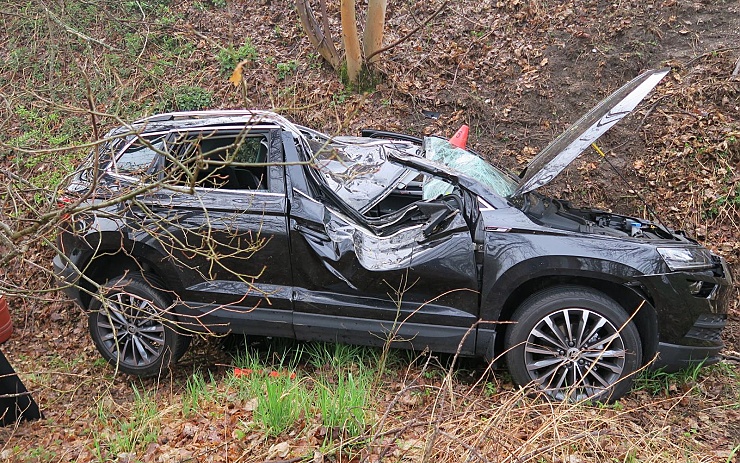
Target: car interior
(227, 162)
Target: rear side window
(139, 157)
(227, 161)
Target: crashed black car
(241, 221)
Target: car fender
(518, 282)
(128, 255)
(513, 259)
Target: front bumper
(691, 309)
(673, 357)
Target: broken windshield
(443, 152)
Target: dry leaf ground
(517, 72)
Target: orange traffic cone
(460, 139)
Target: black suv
(241, 221)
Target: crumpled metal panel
(359, 174)
(399, 250)
(361, 259)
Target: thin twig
(78, 33)
(93, 119)
(465, 445)
(708, 53)
(407, 36)
(292, 460)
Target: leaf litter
(518, 73)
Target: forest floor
(518, 73)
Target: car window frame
(153, 169)
(265, 132)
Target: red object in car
(6, 325)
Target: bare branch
(407, 36)
(321, 40)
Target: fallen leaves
(281, 450)
(516, 72)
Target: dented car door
(360, 265)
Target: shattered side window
(106, 153)
(467, 163)
(360, 174)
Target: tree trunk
(320, 39)
(351, 40)
(373, 37)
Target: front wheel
(574, 344)
(131, 328)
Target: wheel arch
(139, 327)
(630, 297)
(107, 262)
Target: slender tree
(319, 34)
(373, 38)
(321, 38)
(351, 40)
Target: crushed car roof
(198, 119)
(355, 166)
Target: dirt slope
(518, 72)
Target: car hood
(566, 147)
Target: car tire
(132, 329)
(574, 344)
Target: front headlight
(686, 258)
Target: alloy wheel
(131, 329)
(575, 354)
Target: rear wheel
(573, 343)
(131, 328)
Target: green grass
(248, 383)
(197, 392)
(286, 69)
(46, 128)
(281, 397)
(283, 402)
(126, 430)
(733, 453)
(229, 56)
(660, 382)
(339, 391)
(42, 454)
(185, 98)
(343, 401)
(336, 356)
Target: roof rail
(249, 115)
(181, 115)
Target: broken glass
(443, 152)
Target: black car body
(241, 221)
